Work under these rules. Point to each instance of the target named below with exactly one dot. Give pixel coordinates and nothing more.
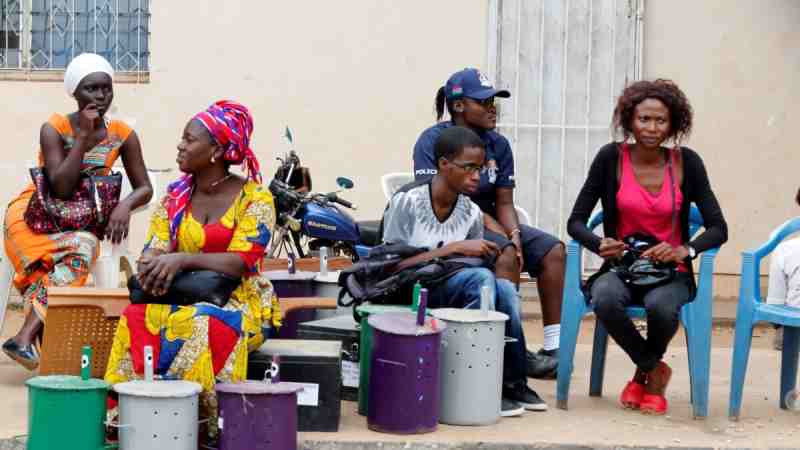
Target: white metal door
(565, 62)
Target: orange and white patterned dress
(58, 259)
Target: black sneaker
(525, 396)
(540, 365)
(510, 408)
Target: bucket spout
(148, 363)
(486, 294)
(86, 362)
(423, 305)
(323, 261)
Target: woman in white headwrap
(68, 144)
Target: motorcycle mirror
(344, 183)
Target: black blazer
(602, 184)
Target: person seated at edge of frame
(784, 278)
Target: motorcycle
(308, 221)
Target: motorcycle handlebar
(335, 198)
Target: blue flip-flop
(25, 355)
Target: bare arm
(493, 225)
(133, 161)
(64, 168)
(506, 213)
(119, 222)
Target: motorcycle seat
(369, 232)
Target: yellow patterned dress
(204, 343)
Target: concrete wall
(355, 81)
(738, 62)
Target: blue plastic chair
(752, 310)
(695, 316)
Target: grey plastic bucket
(158, 414)
(471, 367)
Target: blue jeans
(463, 290)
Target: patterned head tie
(230, 126)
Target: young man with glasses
(437, 214)
(469, 98)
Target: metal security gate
(565, 62)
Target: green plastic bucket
(365, 349)
(66, 412)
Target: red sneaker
(631, 396)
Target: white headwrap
(83, 65)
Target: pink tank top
(640, 211)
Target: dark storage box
(345, 330)
(315, 363)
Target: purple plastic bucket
(288, 285)
(404, 373)
(257, 415)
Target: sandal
(631, 396)
(25, 355)
(654, 402)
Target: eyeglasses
(486, 103)
(469, 168)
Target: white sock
(552, 333)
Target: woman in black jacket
(646, 188)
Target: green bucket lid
(367, 309)
(66, 383)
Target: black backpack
(374, 279)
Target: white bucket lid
(467, 315)
(159, 389)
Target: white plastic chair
(522, 216)
(10, 171)
(391, 182)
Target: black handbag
(188, 288)
(634, 270)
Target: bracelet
(513, 232)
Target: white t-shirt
(409, 219)
(784, 274)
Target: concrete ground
(590, 422)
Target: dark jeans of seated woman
(611, 296)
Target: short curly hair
(680, 111)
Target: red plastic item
(631, 397)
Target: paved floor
(593, 422)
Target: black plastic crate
(345, 330)
(313, 362)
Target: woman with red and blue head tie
(210, 219)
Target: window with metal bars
(44, 35)
(565, 62)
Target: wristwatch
(692, 251)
